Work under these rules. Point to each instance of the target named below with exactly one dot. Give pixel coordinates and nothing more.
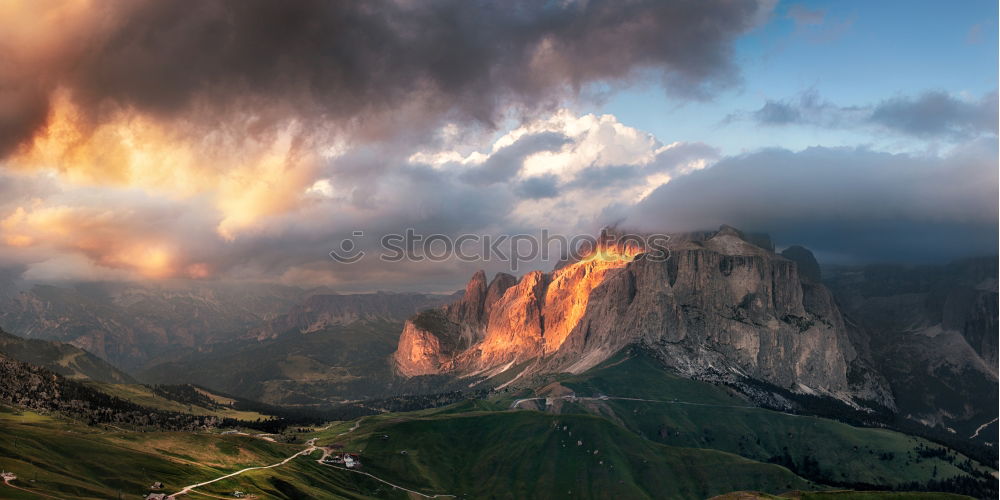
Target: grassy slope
(477, 449)
(472, 449)
(839, 495)
(843, 452)
(142, 395)
(69, 460)
(64, 359)
(514, 454)
(329, 365)
(303, 479)
(75, 363)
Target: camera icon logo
(348, 252)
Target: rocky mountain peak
(806, 261)
(720, 305)
(727, 230)
(470, 307)
(501, 282)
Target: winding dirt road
(6, 482)
(311, 447)
(606, 398)
(440, 495)
(981, 427)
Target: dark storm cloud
(363, 64)
(849, 204)
(22, 111)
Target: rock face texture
(932, 332)
(719, 305)
(507, 321)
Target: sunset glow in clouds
(243, 139)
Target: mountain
(913, 348)
(933, 330)
(318, 312)
(135, 326)
(537, 455)
(588, 436)
(723, 306)
(727, 367)
(627, 430)
(28, 386)
(633, 390)
(325, 366)
(64, 359)
(128, 325)
(325, 349)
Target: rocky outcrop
(428, 343)
(808, 266)
(720, 305)
(931, 332)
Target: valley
(574, 451)
(637, 395)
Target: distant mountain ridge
(24, 385)
(133, 326)
(64, 359)
(320, 311)
(933, 331)
(129, 324)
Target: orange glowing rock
(569, 290)
(531, 319)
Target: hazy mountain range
(726, 323)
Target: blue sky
(851, 53)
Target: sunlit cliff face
(569, 292)
(621, 252)
(530, 326)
